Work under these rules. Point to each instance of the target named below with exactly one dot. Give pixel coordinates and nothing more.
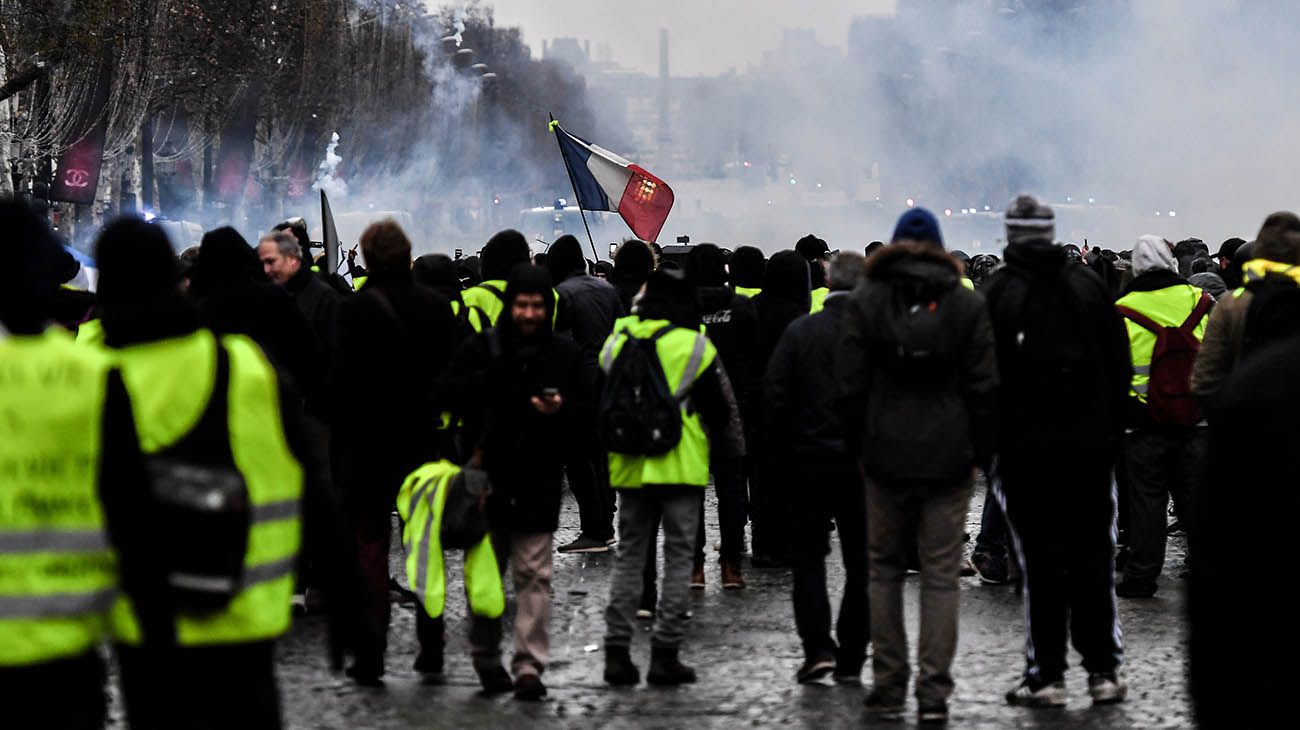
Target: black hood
(225, 259)
(706, 266)
(669, 296)
(527, 279)
(438, 272)
(564, 259)
(35, 261)
(1037, 256)
(786, 278)
(633, 261)
(747, 265)
(502, 253)
(139, 285)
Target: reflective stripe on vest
(1169, 307)
(684, 355)
(57, 571)
(420, 502)
(170, 383)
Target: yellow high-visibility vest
(58, 574)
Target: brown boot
(731, 575)
(697, 577)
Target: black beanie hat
(564, 258)
(502, 253)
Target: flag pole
(554, 125)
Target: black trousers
(830, 491)
(1061, 515)
(733, 509)
(1161, 464)
(588, 476)
(207, 687)
(65, 693)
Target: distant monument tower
(663, 155)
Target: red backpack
(1169, 388)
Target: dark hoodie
(235, 297)
(490, 385)
(915, 370)
(588, 305)
(139, 285)
(633, 262)
(1063, 356)
(747, 265)
(394, 336)
(786, 296)
(440, 273)
(730, 319)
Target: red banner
(237, 148)
(77, 174)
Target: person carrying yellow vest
(195, 643)
(659, 350)
(1164, 448)
(66, 439)
(422, 502)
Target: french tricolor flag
(604, 181)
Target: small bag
(201, 503)
(464, 514)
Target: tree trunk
(146, 163)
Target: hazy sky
(705, 36)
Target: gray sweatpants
(639, 514)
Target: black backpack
(1273, 314)
(201, 505)
(639, 415)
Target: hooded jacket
(731, 321)
(799, 389)
(490, 384)
(633, 263)
(394, 336)
(1062, 354)
(785, 297)
(590, 305)
(915, 370)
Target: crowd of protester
(210, 439)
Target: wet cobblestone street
(744, 646)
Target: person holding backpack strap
(661, 406)
(1164, 450)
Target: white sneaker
(1049, 695)
(1106, 688)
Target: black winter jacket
(916, 371)
(731, 321)
(319, 304)
(524, 451)
(591, 305)
(799, 389)
(1063, 355)
(394, 337)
